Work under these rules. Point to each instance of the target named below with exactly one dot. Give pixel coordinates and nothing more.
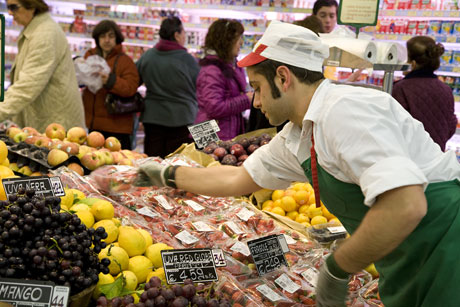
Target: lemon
(301, 218)
(5, 172)
(102, 210)
(130, 280)
(141, 266)
(80, 207)
(306, 224)
(119, 259)
(292, 215)
(302, 197)
(86, 217)
(90, 201)
(277, 203)
(289, 192)
(153, 252)
(299, 186)
(67, 199)
(277, 194)
(6, 162)
(104, 279)
(279, 211)
(335, 221)
(117, 222)
(110, 228)
(372, 270)
(3, 152)
(318, 220)
(64, 208)
(160, 273)
(326, 213)
(267, 203)
(136, 298)
(288, 203)
(313, 211)
(77, 194)
(304, 209)
(147, 237)
(131, 240)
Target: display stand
(389, 70)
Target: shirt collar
(315, 107)
(34, 24)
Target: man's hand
(152, 173)
(331, 290)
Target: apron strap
(314, 170)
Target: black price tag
(43, 185)
(195, 264)
(35, 293)
(204, 133)
(268, 253)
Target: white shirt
(362, 136)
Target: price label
(186, 237)
(287, 284)
(454, 13)
(202, 226)
(33, 293)
(390, 13)
(163, 202)
(245, 214)
(195, 264)
(219, 258)
(427, 14)
(240, 247)
(311, 276)
(456, 69)
(194, 205)
(337, 229)
(268, 253)
(147, 212)
(269, 293)
(234, 227)
(289, 239)
(204, 133)
(451, 39)
(42, 185)
(438, 14)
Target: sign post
(358, 13)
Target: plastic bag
(88, 71)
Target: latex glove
(331, 291)
(151, 173)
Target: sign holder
(358, 13)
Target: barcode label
(163, 202)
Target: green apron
(425, 269)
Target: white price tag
(147, 212)
(219, 258)
(163, 202)
(269, 293)
(283, 244)
(186, 237)
(234, 227)
(194, 205)
(311, 276)
(289, 239)
(202, 226)
(214, 125)
(60, 296)
(337, 229)
(241, 248)
(245, 214)
(287, 284)
(180, 163)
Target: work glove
(332, 286)
(154, 173)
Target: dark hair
(106, 26)
(221, 36)
(169, 27)
(39, 5)
(321, 3)
(268, 68)
(425, 52)
(312, 23)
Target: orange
(267, 203)
(288, 203)
(292, 215)
(3, 151)
(302, 197)
(313, 211)
(302, 218)
(279, 211)
(277, 203)
(318, 220)
(5, 172)
(277, 194)
(304, 209)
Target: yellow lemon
(277, 194)
(335, 221)
(141, 266)
(288, 203)
(5, 172)
(318, 220)
(372, 270)
(3, 151)
(153, 252)
(304, 209)
(110, 228)
(326, 213)
(77, 194)
(302, 197)
(102, 210)
(312, 199)
(6, 162)
(86, 217)
(2, 190)
(306, 224)
(278, 210)
(267, 203)
(299, 186)
(277, 203)
(67, 199)
(302, 218)
(64, 208)
(14, 166)
(310, 188)
(117, 222)
(160, 273)
(104, 279)
(292, 215)
(131, 240)
(289, 192)
(147, 236)
(119, 259)
(136, 298)
(313, 211)
(130, 280)
(80, 207)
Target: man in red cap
(374, 166)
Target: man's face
(274, 109)
(328, 17)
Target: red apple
(229, 160)
(76, 135)
(30, 131)
(83, 150)
(117, 157)
(112, 143)
(95, 139)
(76, 168)
(71, 148)
(56, 144)
(55, 131)
(220, 152)
(252, 148)
(31, 139)
(126, 161)
(43, 141)
(91, 161)
(57, 156)
(237, 150)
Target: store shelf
(405, 37)
(425, 14)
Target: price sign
(268, 253)
(358, 13)
(20, 292)
(42, 185)
(195, 264)
(204, 133)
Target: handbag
(117, 105)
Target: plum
(220, 152)
(242, 158)
(244, 142)
(214, 157)
(254, 140)
(252, 148)
(208, 150)
(264, 142)
(229, 160)
(225, 144)
(265, 136)
(213, 145)
(237, 150)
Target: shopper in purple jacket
(423, 95)
(221, 85)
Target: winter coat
(221, 96)
(44, 86)
(430, 101)
(124, 84)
